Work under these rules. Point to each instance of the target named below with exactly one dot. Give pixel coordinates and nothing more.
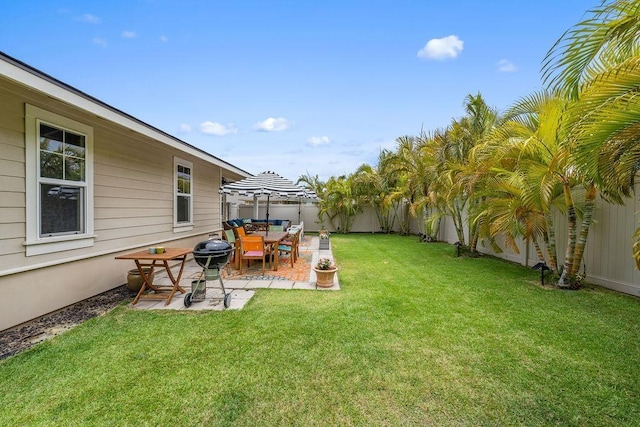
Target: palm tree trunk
(572, 236)
(457, 222)
(473, 239)
(550, 243)
(539, 252)
(589, 205)
(435, 229)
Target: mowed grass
(416, 336)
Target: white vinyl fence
(607, 260)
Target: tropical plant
(315, 184)
(375, 189)
(409, 167)
(340, 203)
(597, 64)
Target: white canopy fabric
(268, 184)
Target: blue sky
(295, 87)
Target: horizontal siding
(133, 208)
(12, 153)
(12, 168)
(133, 184)
(12, 246)
(146, 231)
(12, 215)
(12, 184)
(11, 111)
(12, 230)
(107, 203)
(12, 200)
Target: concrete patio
(243, 287)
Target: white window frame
(179, 227)
(36, 244)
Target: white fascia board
(32, 78)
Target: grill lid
(212, 247)
(212, 253)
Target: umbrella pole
(268, 196)
(256, 214)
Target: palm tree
(450, 198)
(597, 64)
(315, 184)
(538, 125)
(408, 166)
(341, 202)
(461, 176)
(375, 189)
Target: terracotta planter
(134, 281)
(325, 277)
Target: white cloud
(184, 128)
(506, 66)
(315, 141)
(218, 129)
(99, 41)
(129, 34)
(164, 39)
(273, 125)
(89, 19)
(446, 47)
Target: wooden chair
(253, 247)
(239, 232)
(290, 246)
(230, 237)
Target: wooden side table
(145, 259)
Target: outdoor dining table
(272, 238)
(146, 259)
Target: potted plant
(325, 270)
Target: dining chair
(253, 247)
(290, 246)
(239, 232)
(230, 237)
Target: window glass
(183, 209)
(62, 163)
(184, 179)
(183, 200)
(61, 209)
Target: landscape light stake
(542, 267)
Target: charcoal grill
(212, 256)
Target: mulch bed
(26, 335)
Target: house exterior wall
(133, 208)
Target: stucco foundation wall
(31, 294)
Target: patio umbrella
(268, 184)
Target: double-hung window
(183, 185)
(62, 181)
(59, 182)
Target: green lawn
(416, 336)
